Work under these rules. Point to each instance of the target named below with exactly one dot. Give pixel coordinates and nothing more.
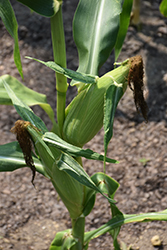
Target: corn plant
(98, 28)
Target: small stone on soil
(156, 241)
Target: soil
(30, 217)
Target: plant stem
(78, 228)
(79, 160)
(59, 53)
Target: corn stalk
(98, 28)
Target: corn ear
(84, 115)
(73, 194)
(70, 191)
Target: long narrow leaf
(53, 140)
(95, 29)
(120, 220)
(45, 8)
(109, 186)
(10, 22)
(63, 162)
(77, 76)
(124, 24)
(112, 97)
(28, 96)
(69, 189)
(11, 158)
(72, 167)
(23, 110)
(115, 232)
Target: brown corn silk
(135, 78)
(25, 143)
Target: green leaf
(74, 169)
(105, 183)
(163, 8)
(114, 232)
(95, 28)
(23, 110)
(45, 8)
(10, 22)
(112, 97)
(61, 167)
(70, 191)
(120, 220)
(63, 241)
(124, 24)
(90, 201)
(52, 139)
(80, 77)
(11, 158)
(30, 97)
(26, 95)
(47, 156)
(108, 186)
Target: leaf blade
(27, 95)
(95, 33)
(73, 168)
(10, 22)
(77, 76)
(24, 111)
(45, 8)
(124, 24)
(53, 140)
(112, 97)
(120, 220)
(11, 158)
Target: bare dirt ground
(30, 218)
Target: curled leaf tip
(135, 78)
(25, 143)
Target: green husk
(74, 195)
(84, 115)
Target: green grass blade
(124, 24)
(11, 158)
(120, 220)
(95, 28)
(28, 96)
(24, 111)
(77, 76)
(10, 22)
(52, 139)
(45, 8)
